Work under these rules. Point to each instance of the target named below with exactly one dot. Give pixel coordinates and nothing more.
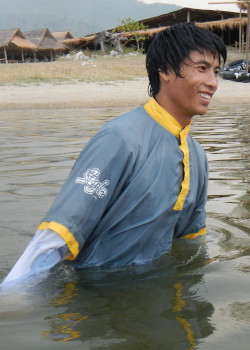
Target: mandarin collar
(165, 119)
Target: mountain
(81, 17)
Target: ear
(164, 76)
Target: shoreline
(126, 93)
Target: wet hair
(173, 45)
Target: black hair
(172, 46)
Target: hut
(81, 42)
(46, 43)
(228, 33)
(61, 36)
(187, 14)
(227, 29)
(155, 24)
(232, 30)
(13, 44)
(224, 23)
(147, 33)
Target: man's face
(185, 97)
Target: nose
(212, 80)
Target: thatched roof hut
(46, 43)
(79, 42)
(44, 40)
(158, 23)
(232, 30)
(13, 41)
(228, 26)
(187, 14)
(230, 23)
(61, 36)
(148, 33)
(16, 38)
(212, 18)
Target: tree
(134, 29)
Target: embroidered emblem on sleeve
(92, 185)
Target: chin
(201, 111)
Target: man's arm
(93, 183)
(196, 225)
(45, 250)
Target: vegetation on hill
(80, 17)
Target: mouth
(206, 96)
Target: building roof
(230, 23)
(195, 15)
(145, 32)
(81, 41)
(64, 35)
(203, 18)
(14, 38)
(44, 40)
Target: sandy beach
(103, 94)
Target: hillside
(81, 17)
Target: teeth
(206, 96)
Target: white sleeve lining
(46, 249)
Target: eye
(201, 68)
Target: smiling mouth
(206, 96)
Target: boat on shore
(236, 71)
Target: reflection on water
(196, 297)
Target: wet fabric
(118, 206)
(45, 250)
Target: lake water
(195, 297)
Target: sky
(199, 4)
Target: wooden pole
(240, 32)
(248, 35)
(243, 40)
(5, 55)
(229, 2)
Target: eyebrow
(205, 63)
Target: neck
(181, 119)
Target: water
(196, 297)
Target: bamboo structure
(81, 41)
(61, 36)
(13, 40)
(230, 23)
(241, 38)
(157, 23)
(46, 43)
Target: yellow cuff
(65, 234)
(202, 232)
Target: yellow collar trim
(161, 116)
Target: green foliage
(129, 25)
(133, 27)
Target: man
(141, 181)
